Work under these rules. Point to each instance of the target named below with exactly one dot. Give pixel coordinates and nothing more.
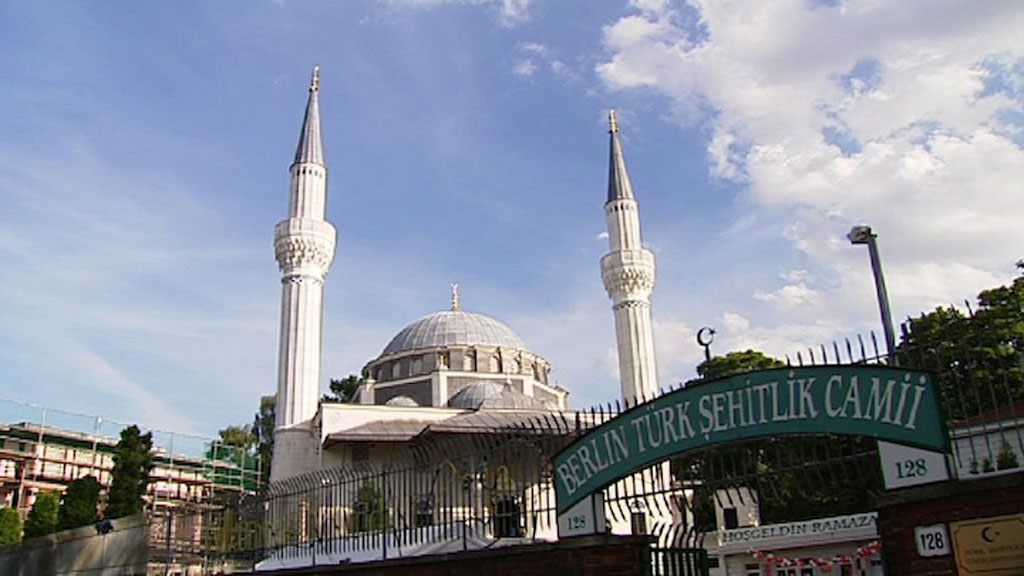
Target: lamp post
(864, 235)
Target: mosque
(448, 442)
(448, 371)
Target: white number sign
(932, 540)
(905, 466)
(585, 517)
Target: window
(752, 570)
(731, 518)
(424, 512)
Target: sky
(145, 147)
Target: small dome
(487, 394)
(454, 328)
(401, 400)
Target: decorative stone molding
(628, 272)
(631, 304)
(304, 244)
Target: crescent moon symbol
(985, 536)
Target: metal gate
(679, 562)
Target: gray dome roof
(488, 394)
(454, 328)
(401, 400)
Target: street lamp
(864, 235)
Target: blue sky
(145, 150)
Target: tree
(263, 429)
(236, 444)
(79, 505)
(370, 509)
(343, 390)
(133, 461)
(42, 518)
(10, 526)
(976, 356)
(736, 363)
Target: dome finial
(314, 84)
(455, 297)
(611, 121)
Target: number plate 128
(932, 540)
(904, 466)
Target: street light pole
(864, 235)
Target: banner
(899, 406)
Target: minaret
(628, 274)
(304, 247)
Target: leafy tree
(133, 461)
(343, 390)
(42, 518)
(735, 363)
(976, 357)
(370, 509)
(10, 526)
(236, 444)
(263, 430)
(79, 505)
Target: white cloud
(735, 322)
(790, 296)
(900, 115)
(676, 351)
(525, 68)
(514, 12)
(510, 12)
(535, 48)
(538, 52)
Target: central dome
(454, 328)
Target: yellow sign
(990, 546)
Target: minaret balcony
(628, 273)
(304, 245)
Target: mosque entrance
(771, 471)
(780, 472)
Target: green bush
(42, 518)
(10, 526)
(78, 506)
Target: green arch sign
(898, 406)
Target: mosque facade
(447, 367)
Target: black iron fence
(493, 484)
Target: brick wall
(601, 555)
(900, 511)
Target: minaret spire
(304, 247)
(311, 145)
(628, 272)
(619, 186)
